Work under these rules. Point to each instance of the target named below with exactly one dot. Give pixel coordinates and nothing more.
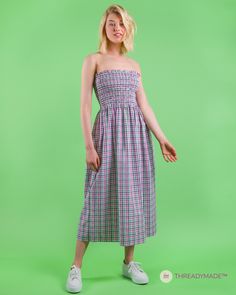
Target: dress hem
(117, 240)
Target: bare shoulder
(90, 62)
(90, 58)
(135, 64)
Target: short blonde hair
(129, 23)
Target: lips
(118, 35)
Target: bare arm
(87, 74)
(147, 111)
(168, 150)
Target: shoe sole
(70, 291)
(73, 290)
(139, 283)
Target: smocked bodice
(116, 87)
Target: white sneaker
(135, 272)
(74, 280)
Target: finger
(171, 158)
(174, 151)
(175, 157)
(171, 148)
(96, 166)
(92, 167)
(165, 157)
(99, 162)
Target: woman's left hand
(168, 151)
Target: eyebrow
(111, 20)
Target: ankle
(77, 264)
(127, 261)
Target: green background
(186, 50)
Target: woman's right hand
(92, 159)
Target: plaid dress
(119, 199)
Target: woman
(120, 202)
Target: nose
(116, 26)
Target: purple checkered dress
(119, 199)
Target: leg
(129, 252)
(81, 247)
(133, 270)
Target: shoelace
(75, 273)
(134, 266)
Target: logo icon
(166, 276)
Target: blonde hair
(130, 26)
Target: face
(115, 28)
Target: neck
(114, 50)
